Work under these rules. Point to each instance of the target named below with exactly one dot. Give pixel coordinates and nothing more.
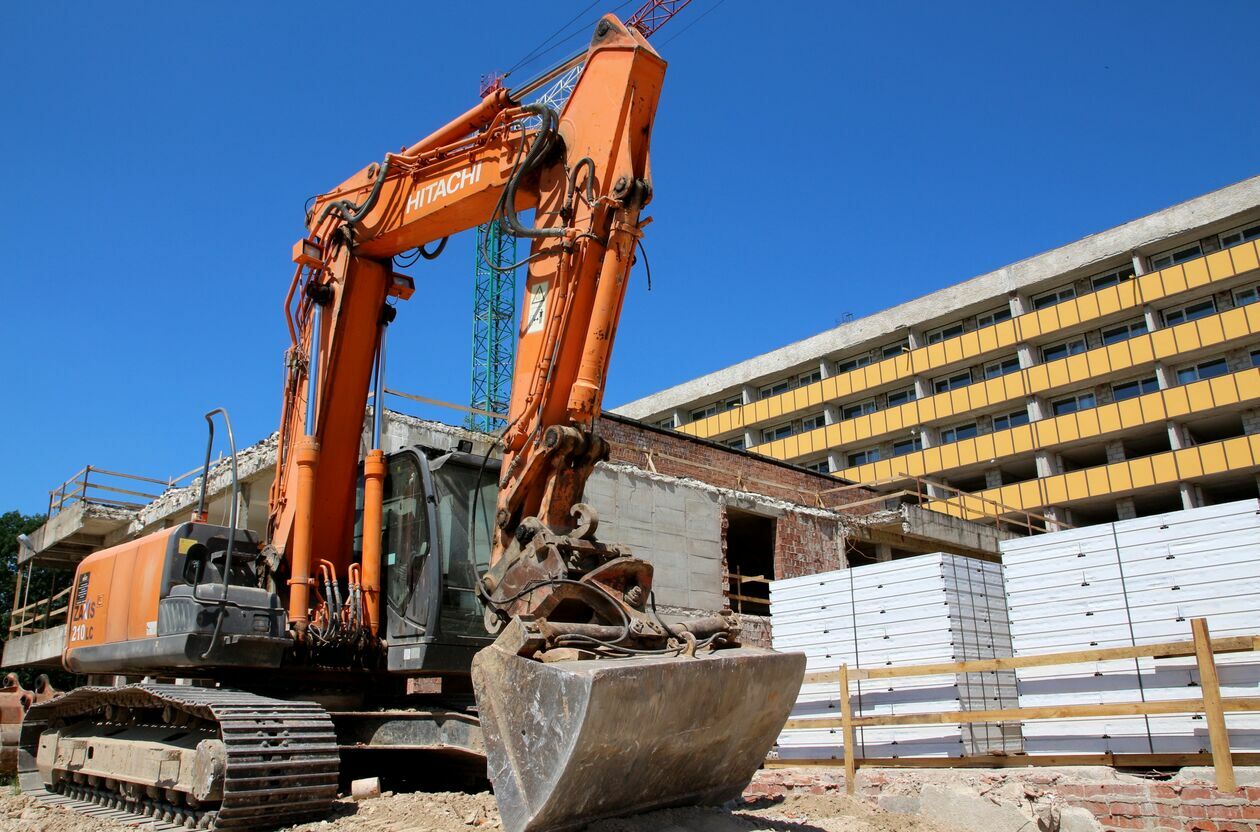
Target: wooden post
(1211, 687)
(846, 732)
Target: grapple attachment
(571, 742)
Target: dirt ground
(459, 812)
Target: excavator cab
(437, 523)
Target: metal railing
(946, 499)
(40, 615)
(103, 487)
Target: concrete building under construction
(1114, 377)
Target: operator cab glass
(466, 497)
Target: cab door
(406, 543)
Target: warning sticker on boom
(536, 309)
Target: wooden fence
(1202, 647)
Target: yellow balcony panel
(1165, 468)
(1164, 341)
(1013, 385)
(786, 448)
(873, 425)
(1056, 375)
(831, 388)
(1070, 312)
(761, 411)
(1152, 408)
(1023, 495)
(1087, 307)
(1098, 361)
(984, 447)
(1197, 272)
(1006, 332)
(986, 340)
(1186, 463)
(895, 420)
(949, 456)
(1173, 280)
(1220, 265)
(1087, 422)
(1245, 257)
(953, 351)
(1048, 432)
(1142, 473)
(1177, 402)
(1210, 330)
(1212, 459)
(1248, 384)
(1239, 322)
(1099, 480)
(932, 459)
(1132, 353)
(1121, 477)
(1109, 419)
(849, 432)
(1023, 441)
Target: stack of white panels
(926, 609)
(1135, 582)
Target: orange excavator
(269, 663)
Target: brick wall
(678, 455)
(806, 545)
(1182, 807)
(1178, 805)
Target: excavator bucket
(572, 742)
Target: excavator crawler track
(277, 766)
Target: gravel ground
(459, 812)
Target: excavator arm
(585, 172)
(591, 703)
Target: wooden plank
(846, 723)
(1210, 684)
(748, 598)
(1024, 761)
(1163, 650)
(1174, 706)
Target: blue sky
(810, 160)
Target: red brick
(1201, 826)
(1251, 811)
(1124, 823)
(1234, 826)
(1131, 810)
(1197, 793)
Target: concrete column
(1055, 516)
(1019, 304)
(837, 461)
(749, 393)
(825, 368)
(883, 552)
(681, 417)
(1126, 509)
(922, 387)
(914, 338)
(1049, 464)
(1037, 409)
(993, 478)
(1026, 354)
(1115, 451)
(1251, 421)
(1139, 264)
(1151, 317)
(242, 507)
(927, 437)
(1165, 376)
(751, 437)
(831, 413)
(1177, 438)
(1191, 495)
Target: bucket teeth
(568, 743)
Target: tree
(12, 524)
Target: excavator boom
(591, 703)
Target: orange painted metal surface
(450, 181)
(116, 593)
